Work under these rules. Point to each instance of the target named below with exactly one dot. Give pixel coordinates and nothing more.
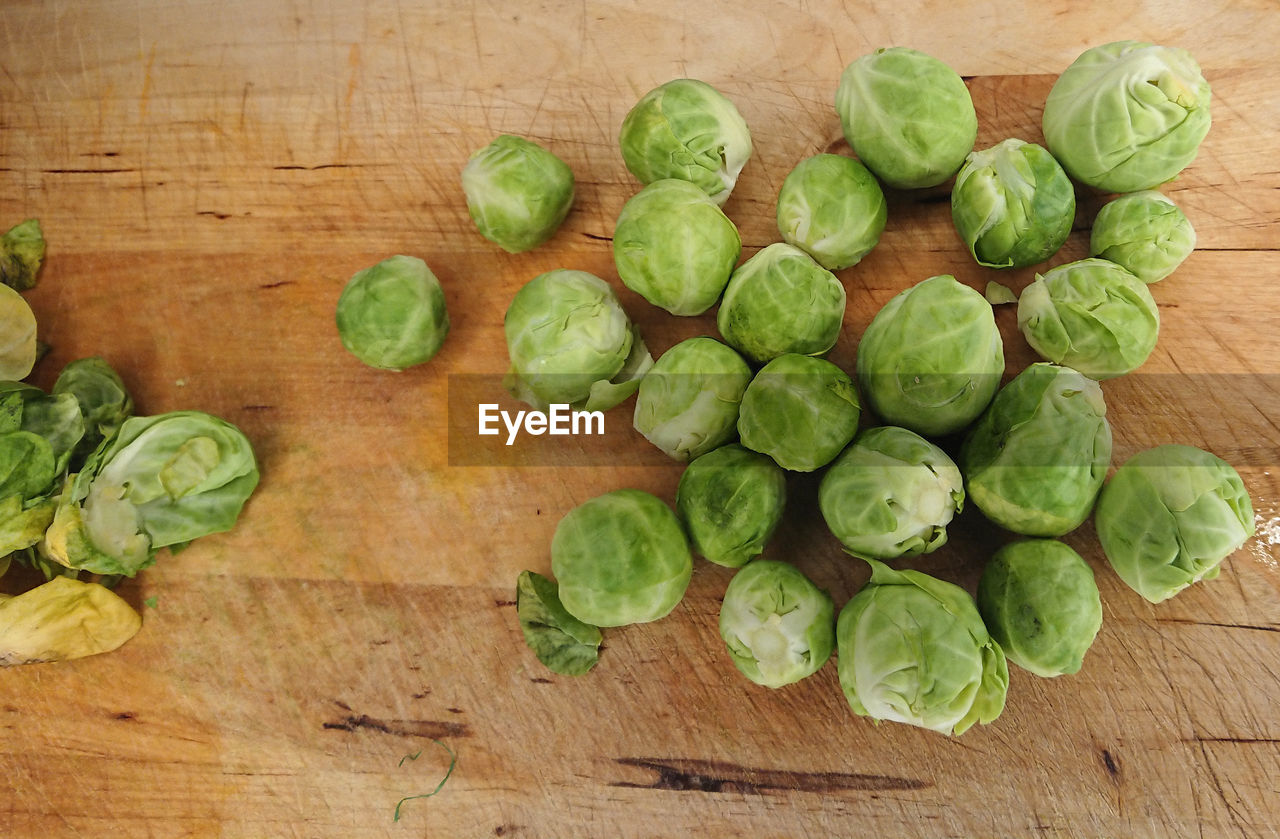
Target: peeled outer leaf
(23, 526)
(913, 649)
(1169, 516)
(27, 466)
(17, 335)
(101, 394)
(126, 549)
(559, 640)
(21, 254)
(998, 294)
(64, 619)
(1035, 460)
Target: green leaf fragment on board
(998, 293)
(559, 640)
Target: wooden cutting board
(209, 174)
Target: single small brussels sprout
(913, 649)
(1144, 233)
(21, 255)
(1169, 516)
(931, 358)
(675, 247)
(161, 481)
(1128, 115)
(686, 129)
(103, 399)
(799, 410)
(781, 301)
(392, 315)
(570, 342)
(620, 558)
(518, 193)
(832, 208)
(1090, 315)
(563, 643)
(1035, 460)
(907, 115)
(891, 493)
(687, 404)
(731, 501)
(17, 336)
(779, 626)
(1012, 204)
(63, 619)
(1040, 603)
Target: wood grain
(209, 174)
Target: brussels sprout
(1127, 116)
(686, 129)
(1143, 232)
(1091, 315)
(161, 481)
(731, 501)
(518, 193)
(932, 358)
(779, 627)
(570, 342)
(17, 336)
(831, 207)
(687, 404)
(913, 649)
(620, 558)
(21, 254)
(1041, 605)
(781, 301)
(1034, 462)
(907, 115)
(563, 643)
(891, 493)
(100, 392)
(63, 619)
(1012, 204)
(675, 247)
(392, 315)
(799, 410)
(1169, 516)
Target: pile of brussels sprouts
(90, 492)
(745, 408)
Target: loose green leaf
(21, 254)
(453, 761)
(559, 640)
(63, 619)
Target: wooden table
(209, 174)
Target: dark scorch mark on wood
(721, 776)
(433, 729)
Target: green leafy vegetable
(560, 641)
(21, 254)
(518, 193)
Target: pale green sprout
(831, 207)
(1169, 516)
(392, 315)
(1012, 204)
(1036, 459)
(781, 301)
(570, 342)
(160, 481)
(799, 410)
(17, 336)
(1143, 232)
(891, 493)
(913, 649)
(1041, 604)
(686, 129)
(731, 501)
(907, 115)
(675, 247)
(778, 626)
(1128, 115)
(687, 404)
(518, 193)
(932, 357)
(620, 558)
(1090, 315)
